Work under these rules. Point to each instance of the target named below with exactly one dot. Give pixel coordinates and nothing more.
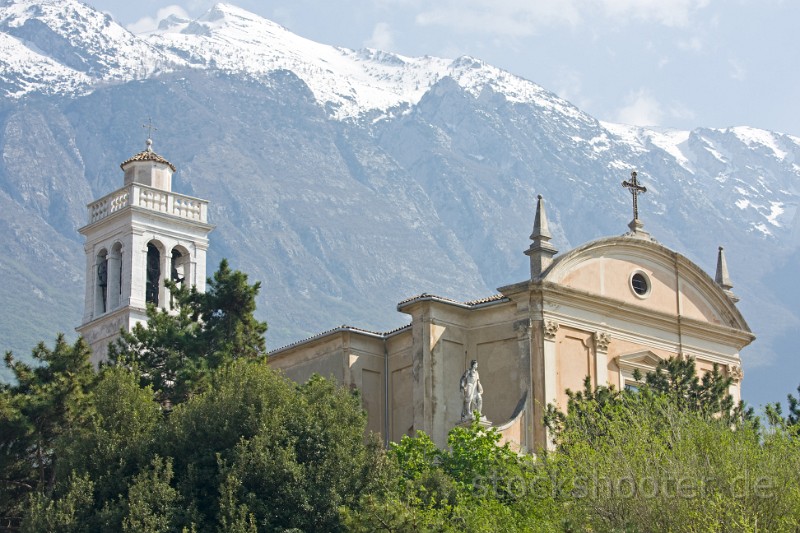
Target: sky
(669, 63)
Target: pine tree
(176, 351)
(45, 401)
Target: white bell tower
(137, 237)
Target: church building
(604, 310)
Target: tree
(774, 412)
(46, 400)
(175, 351)
(591, 409)
(257, 444)
(677, 443)
(475, 485)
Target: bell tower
(136, 237)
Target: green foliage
(287, 455)
(46, 401)
(153, 504)
(64, 515)
(176, 350)
(254, 452)
(678, 443)
(677, 378)
(475, 485)
(654, 455)
(674, 379)
(774, 412)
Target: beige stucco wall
(610, 276)
(574, 361)
(538, 340)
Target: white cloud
(738, 72)
(569, 87)
(666, 12)
(681, 112)
(504, 17)
(525, 17)
(694, 44)
(382, 37)
(642, 109)
(146, 24)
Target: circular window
(640, 284)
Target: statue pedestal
(484, 422)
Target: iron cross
(636, 190)
(150, 128)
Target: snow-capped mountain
(349, 180)
(66, 47)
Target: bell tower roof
(149, 168)
(148, 155)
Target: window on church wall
(640, 284)
(101, 294)
(153, 283)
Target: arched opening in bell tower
(101, 286)
(179, 268)
(114, 277)
(153, 284)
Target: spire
(540, 227)
(722, 278)
(541, 251)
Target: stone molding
(601, 341)
(735, 372)
(550, 329)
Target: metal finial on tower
(150, 130)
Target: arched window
(101, 294)
(177, 273)
(153, 274)
(114, 276)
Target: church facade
(603, 310)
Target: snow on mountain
(351, 82)
(372, 161)
(752, 169)
(64, 46)
(24, 70)
(69, 47)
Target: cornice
(554, 294)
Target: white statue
(472, 391)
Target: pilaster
(601, 342)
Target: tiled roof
(488, 299)
(471, 303)
(148, 155)
(341, 328)
(423, 296)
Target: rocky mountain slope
(348, 180)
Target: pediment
(643, 360)
(666, 283)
